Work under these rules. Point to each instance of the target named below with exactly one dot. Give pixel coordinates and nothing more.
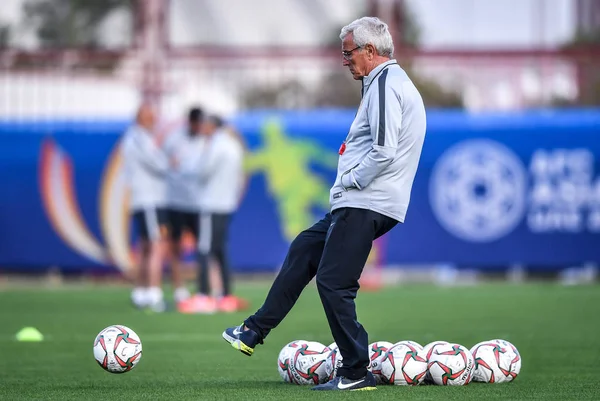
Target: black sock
(225, 275)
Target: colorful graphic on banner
(296, 188)
(61, 205)
(114, 211)
(62, 208)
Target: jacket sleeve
(385, 120)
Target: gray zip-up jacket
(146, 167)
(379, 158)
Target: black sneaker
(242, 340)
(341, 383)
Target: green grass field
(184, 358)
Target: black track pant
(335, 249)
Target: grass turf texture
(555, 329)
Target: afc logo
(478, 190)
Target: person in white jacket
(183, 192)
(219, 168)
(146, 167)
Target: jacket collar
(369, 78)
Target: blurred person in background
(219, 167)
(146, 168)
(376, 168)
(183, 192)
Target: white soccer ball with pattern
(403, 365)
(427, 350)
(451, 365)
(117, 349)
(308, 363)
(496, 361)
(285, 357)
(377, 351)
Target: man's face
(207, 128)
(146, 116)
(354, 57)
(195, 127)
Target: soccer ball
(332, 346)
(427, 350)
(451, 365)
(308, 363)
(285, 357)
(117, 349)
(333, 363)
(403, 365)
(377, 351)
(496, 361)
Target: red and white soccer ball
(496, 361)
(307, 365)
(377, 351)
(451, 365)
(285, 359)
(427, 351)
(117, 349)
(403, 365)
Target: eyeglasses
(347, 54)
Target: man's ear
(371, 52)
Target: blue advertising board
(491, 190)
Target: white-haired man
(376, 168)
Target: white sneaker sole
(237, 344)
